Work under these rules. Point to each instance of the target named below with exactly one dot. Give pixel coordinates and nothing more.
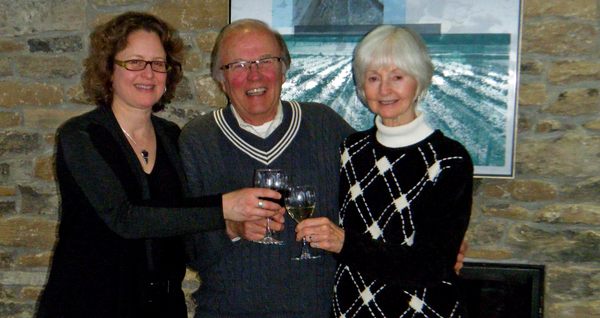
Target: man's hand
(254, 230)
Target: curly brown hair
(110, 38)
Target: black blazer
(108, 220)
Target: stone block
(531, 190)
(586, 9)
(17, 142)
(38, 201)
(4, 169)
(31, 293)
(505, 210)
(194, 62)
(8, 207)
(44, 168)
(5, 67)
(25, 17)
(576, 102)
(485, 231)
(76, 95)
(489, 253)
(10, 119)
(532, 67)
(48, 118)
(582, 191)
(496, 189)
(183, 92)
(569, 214)
(6, 259)
(559, 37)
(571, 71)
(35, 260)
(592, 125)
(7, 46)
(548, 125)
(116, 3)
(206, 42)
(193, 15)
(6, 191)
(16, 94)
(570, 156)
(69, 43)
(542, 244)
(573, 282)
(47, 67)
(27, 232)
(208, 93)
(15, 308)
(533, 94)
(23, 278)
(583, 308)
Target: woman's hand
(247, 205)
(321, 233)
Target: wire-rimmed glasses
(264, 64)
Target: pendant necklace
(143, 151)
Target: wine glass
(277, 180)
(300, 204)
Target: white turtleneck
(403, 135)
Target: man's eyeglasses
(140, 65)
(264, 64)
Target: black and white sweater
(405, 210)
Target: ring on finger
(317, 245)
(260, 203)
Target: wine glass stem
(304, 247)
(268, 233)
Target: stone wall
(548, 214)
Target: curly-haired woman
(121, 183)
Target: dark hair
(110, 38)
(215, 57)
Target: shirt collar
(264, 130)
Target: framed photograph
(474, 45)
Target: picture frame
(474, 46)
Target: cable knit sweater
(247, 279)
(405, 196)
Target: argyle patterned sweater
(405, 211)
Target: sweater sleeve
(82, 166)
(441, 228)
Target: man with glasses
(242, 278)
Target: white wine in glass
(300, 204)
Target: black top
(110, 219)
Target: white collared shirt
(403, 135)
(264, 130)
